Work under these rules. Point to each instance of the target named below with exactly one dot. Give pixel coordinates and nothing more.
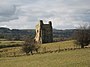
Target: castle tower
(44, 32)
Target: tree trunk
(31, 52)
(82, 46)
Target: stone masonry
(44, 32)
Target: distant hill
(63, 33)
(18, 34)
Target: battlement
(49, 23)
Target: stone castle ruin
(44, 32)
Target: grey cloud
(69, 26)
(6, 10)
(7, 13)
(76, 3)
(67, 12)
(81, 15)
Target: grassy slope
(75, 58)
(61, 45)
(49, 46)
(10, 42)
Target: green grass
(10, 42)
(61, 45)
(74, 58)
(49, 47)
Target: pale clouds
(27, 13)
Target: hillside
(15, 34)
(19, 34)
(75, 58)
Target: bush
(30, 46)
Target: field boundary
(14, 54)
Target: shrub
(30, 46)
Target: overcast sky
(25, 14)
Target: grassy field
(74, 58)
(10, 51)
(55, 44)
(61, 45)
(10, 42)
(48, 46)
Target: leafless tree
(82, 36)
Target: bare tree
(82, 36)
(30, 46)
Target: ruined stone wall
(44, 32)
